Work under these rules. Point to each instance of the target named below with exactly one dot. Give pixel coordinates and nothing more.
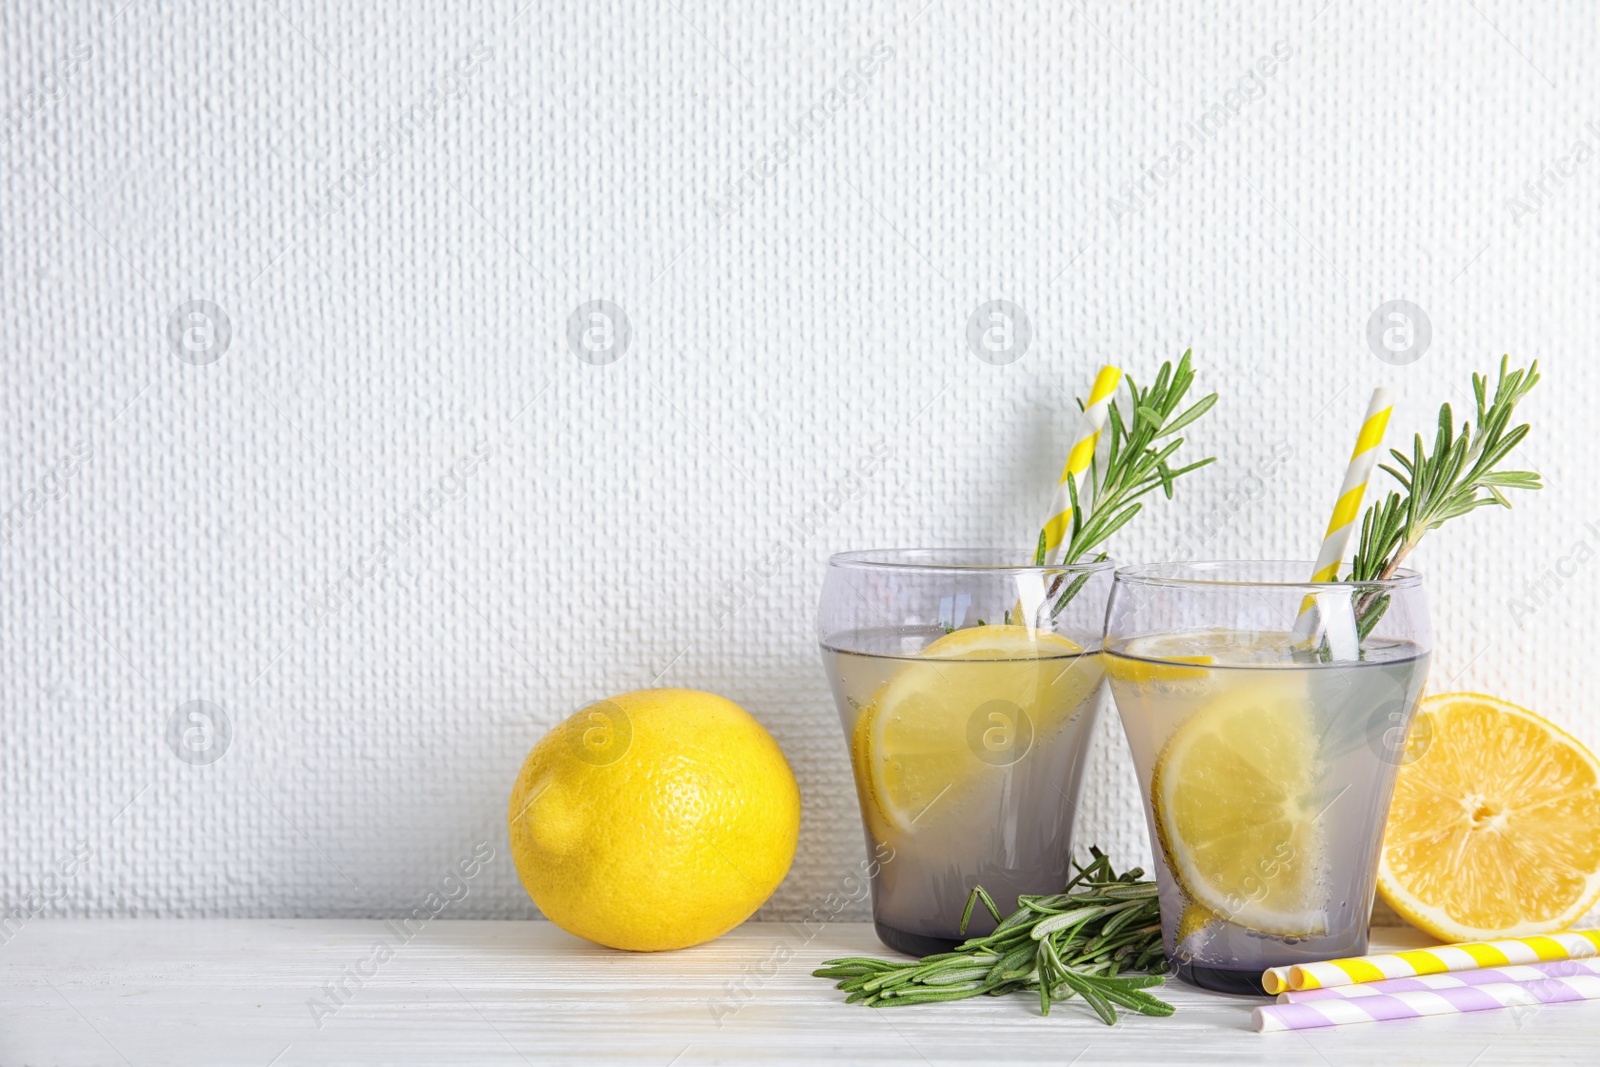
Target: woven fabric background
(382, 500)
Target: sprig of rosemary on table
(1456, 478)
(1134, 465)
(1079, 942)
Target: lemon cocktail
(968, 680)
(1266, 767)
(968, 729)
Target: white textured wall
(184, 546)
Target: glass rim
(903, 559)
(1162, 574)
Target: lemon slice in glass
(1234, 797)
(1137, 671)
(973, 703)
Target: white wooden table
(150, 992)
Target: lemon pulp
(1494, 830)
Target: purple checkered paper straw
(1339, 1011)
(1530, 972)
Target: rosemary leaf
(1456, 477)
(1134, 464)
(1074, 944)
(1065, 919)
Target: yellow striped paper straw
(1518, 973)
(1085, 436)
(1347, 511)
(1567, 945)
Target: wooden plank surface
(213, 992)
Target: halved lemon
(982, 698)
(1495, 826)
(1236, 808)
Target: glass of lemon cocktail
(1266, 762)
(968, 688)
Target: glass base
(912, 944)
(1220, 980)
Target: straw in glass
(1330, 612)
(1085, 436)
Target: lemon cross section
(1234, 799)
(1494, 830)
(971, 705)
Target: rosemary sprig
(1456, 478)
(1081, 942)
(1135, 465)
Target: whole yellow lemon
(653, 820)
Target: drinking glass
(967, 687)
(1266, 761)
